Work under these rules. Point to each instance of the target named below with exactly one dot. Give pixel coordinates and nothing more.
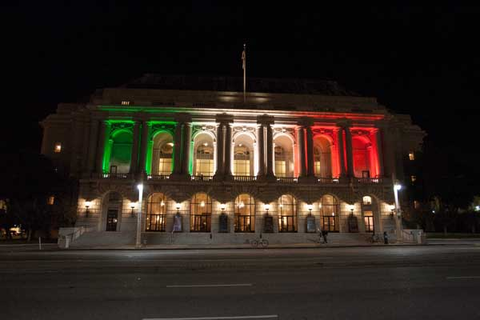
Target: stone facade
(299, 146)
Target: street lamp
(397, 187)
(477, 208)
(139, 216)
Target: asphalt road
(427, 282)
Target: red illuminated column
(378, 143)
(261, 150)
(220, 150)
(340, 152)
(348, 142)
(310, 158)
(187, 137)
(302, 169)
(133, 161)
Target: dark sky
(421, 60)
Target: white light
(205, 144)
(398, 186)
(133, 205)
(351, 207)
(433, 211)
(170, 144)
(140, 187)
(177, 206)
(310, 207)
(477, 208)
(202, 204)
(223, 206)
(88, 204)
(266, 206)
(162, 203)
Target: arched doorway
(287, 214)
(162, 163)
(244, 213)
(200, 213)
(113, 211)
(156, 216)
(329, 213)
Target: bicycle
(374, 238)
(320, 239)
(255, 242)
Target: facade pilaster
(92, 148)
(143, 147)
(348, 142)
(311, 161)
(228, 150)
(261, 150)
(220, 151)
(269, 150)
(187, 137)
(378, 142)
(177, 164)
(341, 152)
(101, 147)
(136, 138)
(301, 151)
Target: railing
(287, 179)
(202, 178)
(158, 177)
(328, 180)
(244, 178)
(368, 180)
(111, 175)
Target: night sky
(420, 60)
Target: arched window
(322, 157)
(200, 213)
(367, 211)
(162, 163)
(156, 212)
(287, 214)
(203, 156)
(362, 153)
(121, 152)
(329, 212)
(114, 210)
(244, 213)
(243, 156)
(284, 166)
(367, 200)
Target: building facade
(293, 157)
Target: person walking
(385, 237)
(324, 235)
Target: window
(162, 154)
(368, 219)
(51, 200)
(125, 103)
(200, 213)
(156, 212)
(414, 178)
(287, 214)
(367, 200)
(329, 212)
(58, 147)
(411, 155)
(204, 157)
(416, 204)
(244, 213)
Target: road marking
(272, 316)
(209, 285)
(465, 277)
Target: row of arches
(245, 209)
(245, 155)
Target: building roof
(235, 84)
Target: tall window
(121, 151)
(156, 212)
(368, 219)
(200, 213)
(322, 157)
(287, 214)
(243, 156)
(203, 164)
(244, 213)
(162, 163)
(114, 207)
(284, 166)
(329, 211)
(362, 157)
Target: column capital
(183, 117)
(344, 123)
(223, 118)
(306, 122)
(265, 120)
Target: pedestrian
(385, 237)
(324, 235)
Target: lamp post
(138, 243)
(87, 205)
(397, 187)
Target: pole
(396, 188)
(39, 243)
(244, 58)
(138, 239)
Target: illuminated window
(414, 178)
(416, 204)
(200, 213)
(287, 214)
(367, 200)
(51, 200)
(162, 163)
(411, 156)
(329, 211)
(244, 213)
(204, 156)
(368, 219)
(58, 147)
(156, 212)
(125, 103)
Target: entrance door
(368, 218)
(329, 224)
(112, 219)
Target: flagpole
(244, 58)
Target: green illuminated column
(187, 137)
(144, 145)
(136, 138)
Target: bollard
(39, 243)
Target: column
(177, 148)
(143, 146)
(269, 147)
(187, 136)
(92, 148)
(101, 147)
(261, 150)
(85, 144)
(341, 152)
(228, 149)
(348, 136)
(378, 140)
(301, 151)
(136, 138)
(311, 161)
(220, 150)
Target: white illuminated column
(138, 240)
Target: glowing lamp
(397, 186)
(310, 207)
(223, 206)
(267, 207)
(177, 206)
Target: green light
(148, 163)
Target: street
(404, 282)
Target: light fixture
(87, 205)
(310, 207)
(397, 186)
(223, 207)
(320, 205)
(351, 207)
(177, 206)
(202, 204)
(132, 205)
(162, 204)
(477, 208)
(205, 144)
(267, 207)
